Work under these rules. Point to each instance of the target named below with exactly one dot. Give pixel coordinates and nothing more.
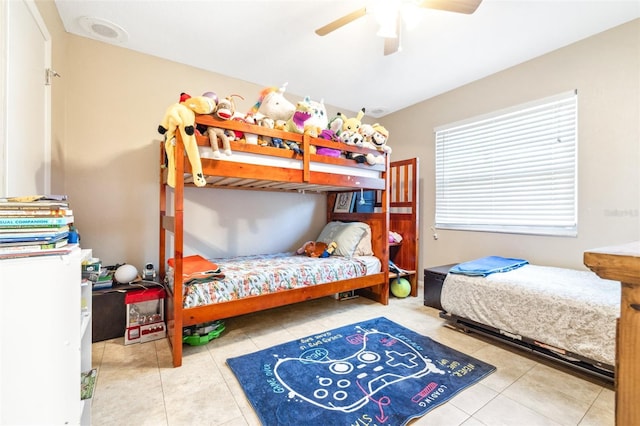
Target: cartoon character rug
(373, 372)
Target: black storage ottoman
(433, 280)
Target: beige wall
(109, 102)
(107, 108)
(605, 69)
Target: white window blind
(510, 171)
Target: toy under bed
(256, 275)
(561, 312)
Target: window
(510, 171)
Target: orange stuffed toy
(317, 249)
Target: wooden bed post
(174, 323)
(163, 213)
(404, 219)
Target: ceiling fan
(388, 15)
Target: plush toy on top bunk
(332, 132)
(350, 133)
(272, 110)
(308, 118)
(273, 104)
(379, 138)
(318, 126)
(181, 117)
(375, 137)
(296, 123)
(224, 110)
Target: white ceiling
(273, 42)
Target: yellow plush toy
(350, 133)
(379, 138)
(181, 117)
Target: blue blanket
(487, 265)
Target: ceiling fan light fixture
(386, 14)
(411, 15)
(387, 30)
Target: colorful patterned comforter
(260, 274)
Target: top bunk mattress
(246, 276)
(568, 309)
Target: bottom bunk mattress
(254, 275)
(572, 310)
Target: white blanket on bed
(568, 309)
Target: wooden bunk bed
(294, 173)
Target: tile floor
(137, 385)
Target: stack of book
(34, 226)
(100, 277)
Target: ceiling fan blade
(458, 6)
(392, 45)
(332, 26)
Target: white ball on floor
(125, 274)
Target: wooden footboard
(375, 286)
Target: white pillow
(347, 236)
(364, 246)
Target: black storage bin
(433, 280)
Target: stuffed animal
(367, 131)
(278, 142)
(354, 123)
(226, 110)
(335, 126)
(299, 118)
(352, 127)
(181, 117)
(216, 134)
(273, 104)
(269, 124)
(317, 122)
(317, 249)
(250, 138)
(318, 117)
(297, 124)
(379, 138)
(211, 95)
(356, 133)
(331, 133)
